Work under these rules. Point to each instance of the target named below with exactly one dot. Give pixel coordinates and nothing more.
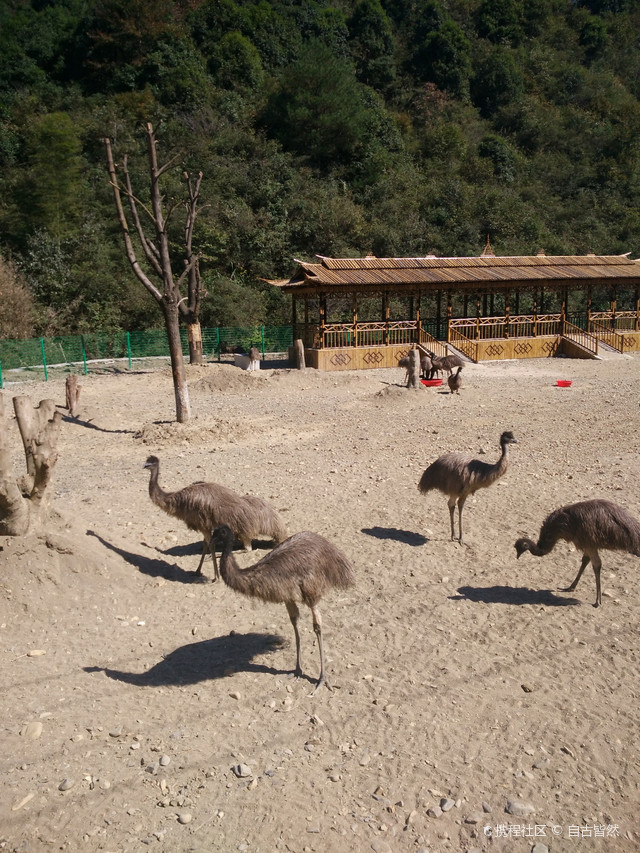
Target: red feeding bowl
(563, 383)
(431, 383)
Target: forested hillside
(398, 127)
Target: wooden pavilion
(354, 313)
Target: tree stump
(299, 347)
(72, 394)
(414, 369)
(23, 502)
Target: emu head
(508, 438)
(222, 534)
(521, 546)
(151, 462)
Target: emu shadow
(70, 419)
(512, 595)
(151, 567)
(196, 548)
(206, 660)
(408, 537)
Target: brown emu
(455, 381)
(203, 506)
(440, 363)
(301, 569)
(590, 526)
(459, 475)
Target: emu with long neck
(459, 475)
(301, 569)
(591, 526)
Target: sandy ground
(464, 681)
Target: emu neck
(230, 571)
(156, 493)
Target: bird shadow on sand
(75, 420)
(196, 548)
(407, 537)
(151, 567)
(512, 595)
(206, 660)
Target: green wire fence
(39, 354)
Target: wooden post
(637, 320)
(507, 312)
(354, 312)
(414, 369)
(449, 312)
(478, 316)
(322, 310)
(294, 315)
(589, 302)
(299, 348)
(438, 312)
(535, 312)
(72, 393)
(614, 305)
(419, 317)
(386, 316)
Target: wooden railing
(518, 326)
(464, 344)
(603, 332)
(579, 336)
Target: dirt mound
(215, 431)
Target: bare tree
(23, 502)
(156, 249)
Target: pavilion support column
(507, 312)
(439, 313)
(354, 309)
(418, 317)
(517, 303)
(614, 305)
(478, 308)
(449, 313)
(589, 303)
(637, 320)
(385, 317)
(294, 315)
(535, 312)
(322, 316)
(485, 304)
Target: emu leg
(460, 506)
(317, 627)
(207, 545)
(294, 613)
(583, 566)
(452, 508)
(597, 565)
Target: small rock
(234, 695)
(519, 809)
(116, 732)
(104, 784)
(366, 758)
(164, 760)
(434, 811)
(380, 846)
(32, 731)
(335, 777)
(185, 817)
(474, 817)
(36, 653)
(66, 784)
(446, 804)
(539, 848)
(527, 688)
(486, 808)
(242, 770)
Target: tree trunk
(72, 390)
(414, 369)
(24, 505)
(172, 324)
(194, 336)
(299, 347)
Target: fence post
(84, 354)
(1, 383)
(218, 341)
(129, 348)
(44, 360)
(262, 339)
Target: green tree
(318, 110)
(497, 82)
(53, 193)
(371, 43)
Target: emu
(459, 475)
(444, 362)
(300, 569)
(203, 506)
(254, 358)
(455, 381)
(591, 526)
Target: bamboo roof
(487, 271)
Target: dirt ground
(475, 707)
